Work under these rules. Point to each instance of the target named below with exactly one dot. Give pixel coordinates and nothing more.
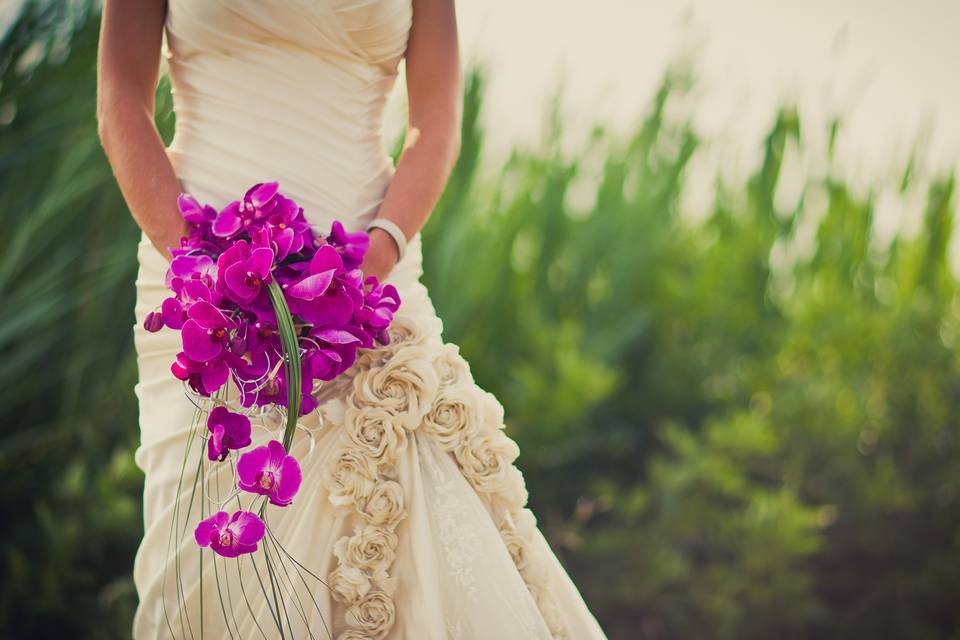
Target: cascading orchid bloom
(203, 377)
(228, 431)
(230, 536)
(271, 472)
(206, 332)
(242, 272)
(238, 216)
(351, 245)
(256, 294)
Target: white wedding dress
(425, 537)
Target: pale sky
(889, 65)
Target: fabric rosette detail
(416, 382)
(486, 459)
(348, 583)
(369, 447)
(377, 432)
(452, 368)
(454, 417)
(405, 385)
(394, 385)
(371, 549)
(385, 505)
(350, 478)
(373, 615)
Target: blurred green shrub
(740, 427)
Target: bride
(427, 535)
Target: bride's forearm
(144, 173)
(434, 85)
(128, 60)
(422, 171)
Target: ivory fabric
(411, 509)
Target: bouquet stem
(291, 349)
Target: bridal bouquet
(261, 300)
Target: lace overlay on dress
(461, 544)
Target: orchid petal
(261, 259)
(277, 454)
(290, 479)
(249, 465)
(261, 194)
(209, 316)
(227, 223)
(214, 375)
(206, 527)
(248, 528)
(324, 259)
(311, 287)
(197, 342)
(215, 448)
(335, 336)
(153, 322)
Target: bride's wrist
(384, 247)
(382, 254)
(169, 239)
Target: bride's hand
(170, 239)
(381, 256)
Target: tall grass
(742, 427)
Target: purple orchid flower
(334, 353)
(228, 431)
(185, 267)
(257, 332)
(206, 333)
(328, 295)
(203, 377)
(241, 273)
(174, 310)
(194, 212)
(351, 245)
(226, 318)
(380, 303)
(173, 313)
(230, 536)
(281, 241)
(271, 472)
(324, 265)
(287, 223)
(238, 216)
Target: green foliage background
(741, 427)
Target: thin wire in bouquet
(263, 302)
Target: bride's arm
(131, 33)
(433, 129)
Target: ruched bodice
(288, 90)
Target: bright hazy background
(733, 381)
(884, 64)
